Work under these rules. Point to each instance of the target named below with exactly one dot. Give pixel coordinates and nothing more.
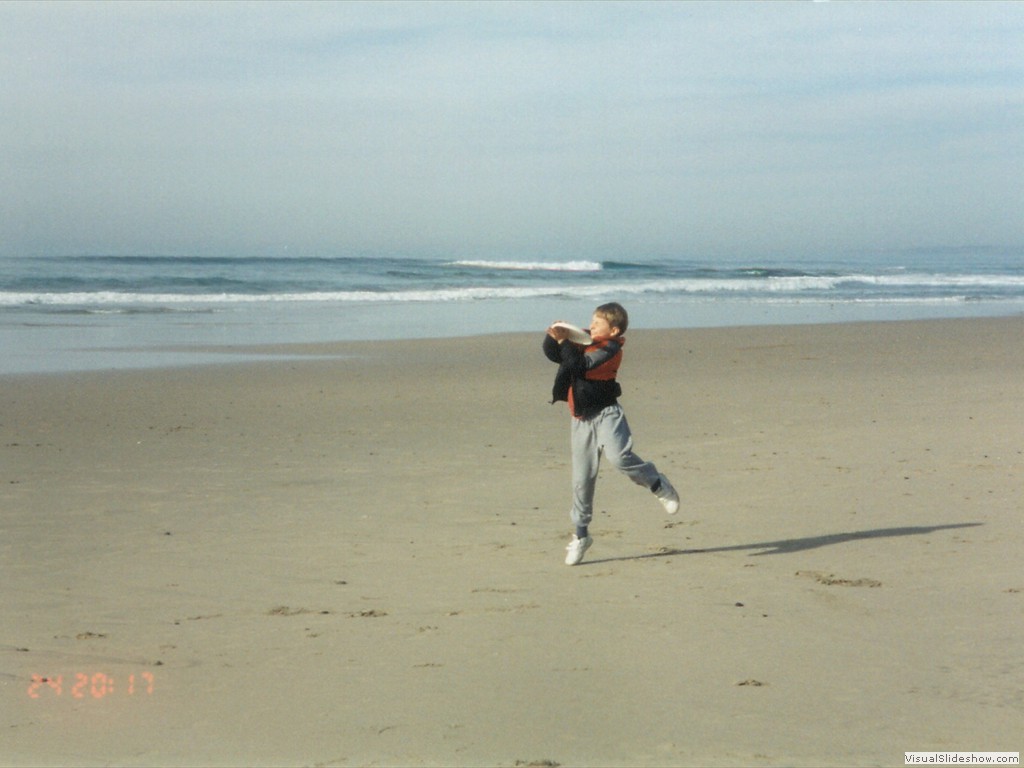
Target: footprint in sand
(831, 580)
(284, 610)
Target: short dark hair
(615, 314)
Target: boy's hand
(558, 333)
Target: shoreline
(230, 354)
(156, 341)
(358, 560)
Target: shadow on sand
(789, 546)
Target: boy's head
(609, 320)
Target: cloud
(672, 128)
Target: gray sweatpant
(606, 433)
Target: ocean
(66, 313)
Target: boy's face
(600, 328)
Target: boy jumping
(586, 380)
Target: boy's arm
(551, 349)
(602, 355)
(579, 362)
(565, 353)
(573, 356)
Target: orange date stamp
(95, 685)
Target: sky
(510, 129)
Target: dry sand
(358, 561)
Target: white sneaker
(667, 496)
(576, 549)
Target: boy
(586, 380)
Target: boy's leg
(617, 442)
(586, 458)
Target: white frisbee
(576, 335)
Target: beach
(354, 556)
